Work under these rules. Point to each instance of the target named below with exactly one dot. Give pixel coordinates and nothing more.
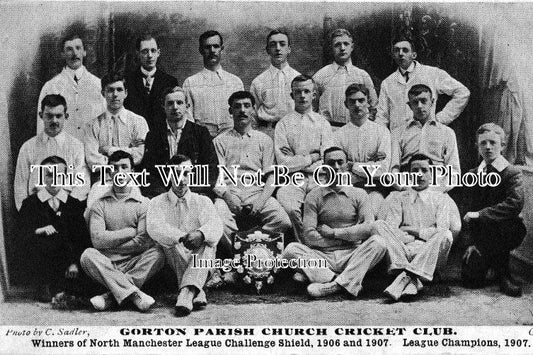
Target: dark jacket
(148, 106)
(195, 142)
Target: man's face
(489, 145)
(148, 54)
(278, 48)
(242, 112)
(421, 105)
(403, 54)
(49, 178)
(211, 50)
(121, 166)
(421, 167)
(73, 53)
(342, 48)
(181, 189)
(336, 159)
(357, 104)
(114, 94)
(175, 106)
(53, 119)
(303, 93)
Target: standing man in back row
(272, 88)
(146, 84)
(333, 79)
(80, 88)
(208, 91)
(393, 110)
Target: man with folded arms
(124, 257)
(338, 228)
(185, 224)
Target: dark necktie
(406, 75)
(76, 78)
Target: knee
(378, 243)
(292, 250)
(88, 256)
(446, 238)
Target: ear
(125, 92)
(346, 104)
(222, 47)
(292, 96)
(414, 55)
(66, 115)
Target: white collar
(284, 69)
(408, 70)
(347, 65)
(499, 164)
(181, 124)
(121, 114)
(424, 195)
(44, 195)
(78, 72)
(148, 73)
(218, 70)
(173, 198)
(60, 138)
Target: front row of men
(132, 235)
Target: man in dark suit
(146, 84)
(52, 227)
(178, 135)
(493, 217)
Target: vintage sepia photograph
(236, 164)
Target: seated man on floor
(252, 151)
(427, 221)
(185, 223)
(124, 256)
(338, 229)
(51, 223)
(493, 218)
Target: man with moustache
(53, 140)
(80, 88)
(185, 224)
(333, 79)
(365, 143)
(123, 256)
(146, 83)
(299, 142)
(272, 88)
(179, 136)
(392, 110)
(252, 151)
(117, 128)
(208, 91)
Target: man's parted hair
(355, 88)
(340, 32)
(302, 78)
(119, 155)
(418, 157)
(278, 31)
(53, 160)
(178, 159)
(239, 95)
(144, 37)
(418, 89)
(112, 77)
(334, 148)
(207, 34)
(69, 37)
(53, 100)
(404, 39)
(171, 90)
(491, 127)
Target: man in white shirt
(51, 141)
(393, 111)
(365, 143)
(300, 139)
(188, 228)
(333, 79)
(208, 90)
(272, 88)
(117, 128)
(80, 88)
